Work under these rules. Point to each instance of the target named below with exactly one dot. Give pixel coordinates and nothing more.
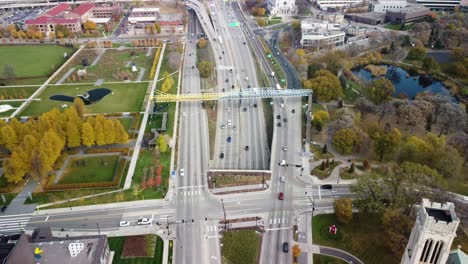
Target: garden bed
(139, 246)
(323, 174)
(240, 247)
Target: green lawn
(126, 122)
(97, 169)
(33, 60)
(125, 97)
(9, 112)
(362, 237)
(16, 92)
(116, 245)
(322, 259)
(240, 247)
(8, 198)
(323, 174)
(318, 152)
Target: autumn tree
(99, 134)
(346, 140)
(89, 25)
(60, 34)
(261, 22)
(343, 210)
(9, 138)
(416, 53)
(201, 43)
(260, 11)
(326, 85)
(296, 25)
(157, 27)
(384, 143)
(168, 83)
(430, 64)
(121, 135)
(79, 106)
(109, 132)
(205, 68)
(62, 29)
(296, 250)
(397, 225)
(380, 90)
(87, 134)
(162, 144)
(14, 168)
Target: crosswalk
(13, 223)
(279, 218)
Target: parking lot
(19, 17)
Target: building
(330, 17)
(356, 31)
(172, 26)
(42, 247)
(370, 18)
(62, 14)
(325, 4)
(408, 14)
(282, 8)
(457, 256)
(321, 35)
(432, 235)
(106, 11)
(439, 5)
(143, 15)
(381, 6)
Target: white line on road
(279, 228)
(47, 218)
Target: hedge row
(91, 185)
(124, 151)
(136, 121)
(155, 63)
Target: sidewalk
(242, 188)
(17, 205)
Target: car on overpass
(144, 221)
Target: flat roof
(439, 214)
(145, 9)
(99, 20)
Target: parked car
(229, 139)
(281, 196)
(246, 147)
(285, 247)
(221, 156)
(282, 179)
(143, 221)
(124, 223)
(182, 172)
(326, 187)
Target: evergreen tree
(325, 149)
(351, 168)
(429, 123)
(87, 134)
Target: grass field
(125, 97)
(322, 259)
(9, 112)
(33, 60)
(116, 244)
(126, 122)
(98, 169)
(362, 237)
(8, 198)
(240, 247)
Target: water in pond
(407, 82)
(90, 97)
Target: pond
(89, 97)
(407, 82)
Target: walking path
(96, 60)
(140, 75)
(242, 188)
(65, 76)
(17, 205)
(98, 82)
(149, 52)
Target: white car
(285, 149)
(281, 105)
(181, 172)
(229, 109)
(184, 114)
(229, 123)
(143, 221)
(124, 223)
(282, 179)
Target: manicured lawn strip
(29, 81)
(126, 122)
(362, 237)
(318, 152)
(16, 92)
(55, 196)
(240, 247)
(116, 245)
(125, 97)
(235, 180)
(94, 171)
(33, 60)
(9, 112)
(8, 198)
(322, 259)
(323, 174)
(346, 175)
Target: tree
(79, 106)
(157, 26)
(397, 225)
(325, 149)
(87, 134)
(458, 69)
(205, 68)
(202, 43)
(73, 135)
(121, 135)
(296, 250)
(300, 52)
(9, 138)
(60, 35)
(14, 168)
(9, 71)
(346, 140)
(109, 132)
(321, 117)
(380, 90)
(335, 60)
(366, 165)
(384, 143)
(261, 22)
(457, 54)
(430, 64)
(261, 11)
(168, 83)
(296, 25)
(343, 210)
(99, 134)
(162, 144)
(311, 69)
(416, 53)
(326, 85)
(63, 29)
(352, 168)
(429, 123)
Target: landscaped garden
(324, 170)
(32, 60)
(90, 169)
(125, 97)
(240, 247)
(146, 249)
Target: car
(246, 148)
(184, 114)
(234, 128)
(222, 52)
(227, 80)
(245, 109)
(281, 196)
(144, 221)
(279, 124)
(229, 109)
(244, 43)
(229, 122)
(221, 156)
(282, 105)
(285, 119)
(282, 163)
(255, 105)
(229, 139)
(222, 126)
(282, 179)
(182, 172)
(285, 149)
(220, 57)
(193, 67)
(248, 86)
(232, 86)
(326, 187)
(124, 223)
(293, 111)
(278, 117)
(285, 247)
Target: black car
(326, 187)
(221, 156)
(246, 147)
(245, 109)
(255, 105)
(232, 86)
(244, 43)
(278, 117)
(285, 247)
(220, 57)
(279, 124)
(227, 80)
(285, 119)
(293, 111)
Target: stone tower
(432, 234)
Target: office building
(439, 5)
(322, 35)
(381, 6)
(325, 4)
(407, 14)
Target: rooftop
(439, 214)
(57, 10)
(83, 8)
(52, 20)
(411, 8)
(7, 243)
(457, 256)
(145, 9)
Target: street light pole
(99, 231)
(224, 211)
(69, 204)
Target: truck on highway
(220, 40)
(272, 74)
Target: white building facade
(282, 8)
(382, 6)
(442, 5)
(325, 4)
(142, 15)
(432, 235)
(322, 35)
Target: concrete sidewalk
(242, 188)
(17, 205)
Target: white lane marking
(212, 236)
(271, 221)
(214, 228)
(47, 218)
(279, 228)
(274, 221)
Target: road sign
(234, 24)
(268, 55)
(283, 80)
